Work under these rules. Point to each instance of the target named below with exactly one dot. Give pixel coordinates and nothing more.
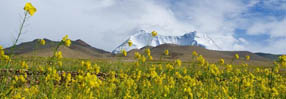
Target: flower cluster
(154, 33)
(30, 8)
(66, 41)
(3, 55)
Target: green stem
(52, 59)
(19, 34)
(17, 39)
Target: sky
(251, 25)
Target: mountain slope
(185, 53)
(78, 49)
(142, 39)
(269, 56)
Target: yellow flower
(59, 55)
(17, 96)
(282, 60)
(42, 42)
(169, 67)
(143, 59)
(150, 57)
(137, 55)
(236, 56)
(221, 61)
(166, 52)
(188, 91)
(124, 52)
(65, 37)
(229, 68)
(201, 60)
(22, 78)
(24, 65)
(247, 57)
(16, 78)
(97, 68)
(60, 63)
(179, 62)
(6, 57)
(154, 33)
(148, 52)
(30, 8)
(130, 43)
(2, 53)
(68, 42)
(195, 53)
(274, 92)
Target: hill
(185, 53)
(78, 49)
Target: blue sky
(252, 25)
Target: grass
(125, 79)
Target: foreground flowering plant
(142, 79)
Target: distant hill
(78, 49)
(185, 53)
(269, 56)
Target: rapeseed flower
(24, 65)
(148, 52)
(150, 58)
(143, 59)
(166, 52)
(66, 37)
(124, 53)
(66, 41)
(236, 56)
(274, 92)
(247, 57)
(228, 68)
(137, 55)
(30, 8)
(201, 60)
(221, 61)
(169, 67)
(178, 62)
(154, 33)
(59, 55)
(42, 42)
(130, 43)
(195, 53)
(60, 63)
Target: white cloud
(276, 47)
(274, 28)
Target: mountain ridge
(81, 49)
(77, 49)
(143, 38)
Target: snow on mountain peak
(142, 39)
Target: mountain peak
(81, 42)
(141, 39)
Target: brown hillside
(78, 49)
(185, 53)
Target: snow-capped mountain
(142, 39)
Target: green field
(48, 77)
